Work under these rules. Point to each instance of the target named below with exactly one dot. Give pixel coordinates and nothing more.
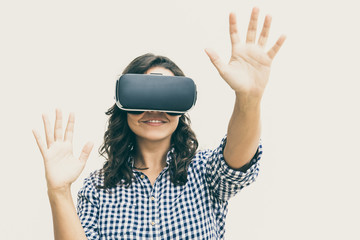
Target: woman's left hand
(248, 70)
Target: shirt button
(142, 176)
(153, 198)
(153, 223)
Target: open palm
(248, 70)
(61, 167)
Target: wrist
(55, 193)
(246, 102)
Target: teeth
(154, 121)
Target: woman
(154, 184)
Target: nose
(155, 112)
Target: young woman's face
(153, 125)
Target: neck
(151, 154)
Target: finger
(274, 50)
(58, 125)
(234, 36)
(48, 132)
(69, 132)
(265, 31)
(40, 143)
(85, 153)
(251, 34)
(215, 59)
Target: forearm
(243, 131)
(66, 222)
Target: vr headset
(136, 93)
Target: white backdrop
(68, 54)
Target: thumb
(85, 153)
(216, 60)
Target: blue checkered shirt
(196, 210)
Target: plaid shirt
(196, 210)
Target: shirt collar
(169, 155)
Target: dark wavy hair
(120, 142)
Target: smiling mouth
(154, 122)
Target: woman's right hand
(61, 167)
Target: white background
(68, 54)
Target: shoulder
(95, 178)
(202, 155)
(206, 155)
(201, 158)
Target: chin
(155, 136)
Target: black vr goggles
(136, 93)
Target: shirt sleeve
(225, 181)
(88, 209)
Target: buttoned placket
(154, 214)
(154, 219)
(153, 201)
